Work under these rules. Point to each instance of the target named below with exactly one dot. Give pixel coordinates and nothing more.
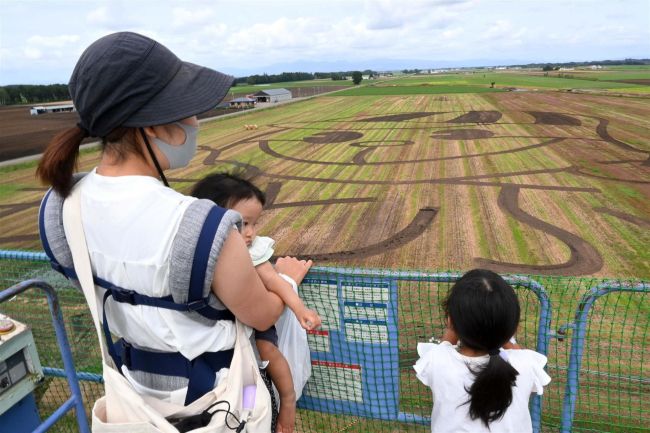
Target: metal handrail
(75, 401)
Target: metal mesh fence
(362, 357)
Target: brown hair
(60, 157)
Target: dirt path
(420, 223)
(584, 259)
(641, 222)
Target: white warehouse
(272, 95)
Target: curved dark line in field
(19, 238)
(359, 158)
(584, 259)
(576, 171)
(641, 222)
(17, 207)
(352, 200)
(415, 228)
(212, 156)
(452, 181)
(622, 161)
(35, 188)
(602, 131)
(553, 118)
(272, 191)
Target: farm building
(42, 109)
(272, 95)
(242, 103)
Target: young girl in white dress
(289, 369)
(477, 385)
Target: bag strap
(76, 238)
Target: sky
(41, 40)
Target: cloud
(52, 41)
(184, 17)
(32, 53)
(115, 15)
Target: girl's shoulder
(433, 357)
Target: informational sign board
(355, 352)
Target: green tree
(357, 77)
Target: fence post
(75, 400)
(577, 344)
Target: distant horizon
(246, 37)
(399, 69)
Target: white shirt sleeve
(261, 250)
(537, 361)
(424, 369)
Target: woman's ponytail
(491, 392)
(60, 158)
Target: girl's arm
(275, 283)
(239, 287)
(280, 373)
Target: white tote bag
(124, 410)
(292, 343)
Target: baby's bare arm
(275, 283)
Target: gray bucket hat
(126, 79)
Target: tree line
(299, 76)
(41, 93)
(33, 93)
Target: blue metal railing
(578, 344)
(75, 401)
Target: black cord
(153, 157)
(202, 419)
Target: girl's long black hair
(484, 312)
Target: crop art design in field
(513, 189)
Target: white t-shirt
(130, 223)
(442, 368)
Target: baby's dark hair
(484, 312)
(227, 189)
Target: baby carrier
(193, 265)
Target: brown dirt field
(22, 134)
(642, 81)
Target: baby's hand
(292, 267)
(309, 319)
(286, 417)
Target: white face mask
(181, 155)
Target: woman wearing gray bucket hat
(173, 271)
